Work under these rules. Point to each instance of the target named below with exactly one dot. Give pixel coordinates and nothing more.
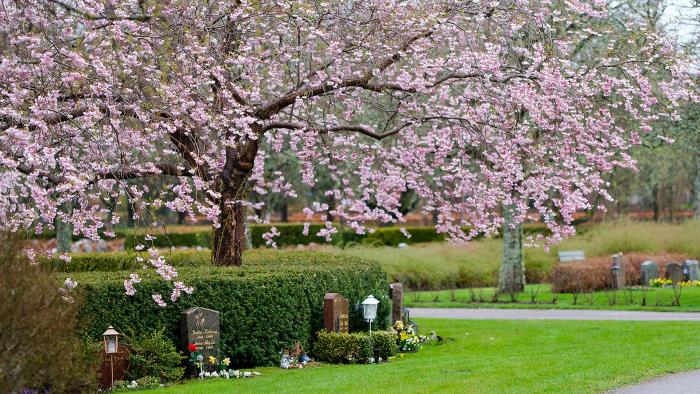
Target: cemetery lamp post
(369, 310)
(111, 339)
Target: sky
(678, 10)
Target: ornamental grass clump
(37, 328)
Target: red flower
(192, 347)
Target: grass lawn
(657, 299)
(498, 357)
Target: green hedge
(340, 348)
(275, 299)
(291, 234)
(121, 261)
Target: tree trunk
(181, 216)
(696, 187)
(512, 276)
(284, 213)
(64, 230)
(129, 213)
(229, 238)
(655, 203)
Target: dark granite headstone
(396, 291)
(618, 271)
(113, 366)
(691, 270)
(648, 271)
(200, 326)
(674, 271)
(335, 313)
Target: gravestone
(396, 291)
(674, 271)
(113, 366)
(648, 272)
(691, 270)
(335, 313)
(200, 326)
(618, 272)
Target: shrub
(594, 273)
(385, 344)
(273, 300)
(291, 234)
(392, 236)
(340, 348)
(152, 354)
(37, 326)
(122, 261)
(173, 239)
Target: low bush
(594, 273)
(340, 348)
(385, 344)
(272, 301)
(152, 354)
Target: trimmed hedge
(123, 261)
(275, 299)
(291, 234)
(341, 348)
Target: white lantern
(111, 338)
(369, 310)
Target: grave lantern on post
(369, 310)
(111, 339)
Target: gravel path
(548, 314)
(681, 383)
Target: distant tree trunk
(512, 275)
(64, 230)
(181, 217)
(655, 203)
(331, 206)
(696, 187)
(129, 213)
(284, 213)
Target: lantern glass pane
(111, 345)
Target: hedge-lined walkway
(548, 314)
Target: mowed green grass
(497, 357)
(657, 299)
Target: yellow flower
(227, 361)
(212, 359)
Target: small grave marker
(691, 270)
(396, 291)
(618, 272)
(571, 255)
(335, 313)
(200, 326)
(674, 271)
(648, 272)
